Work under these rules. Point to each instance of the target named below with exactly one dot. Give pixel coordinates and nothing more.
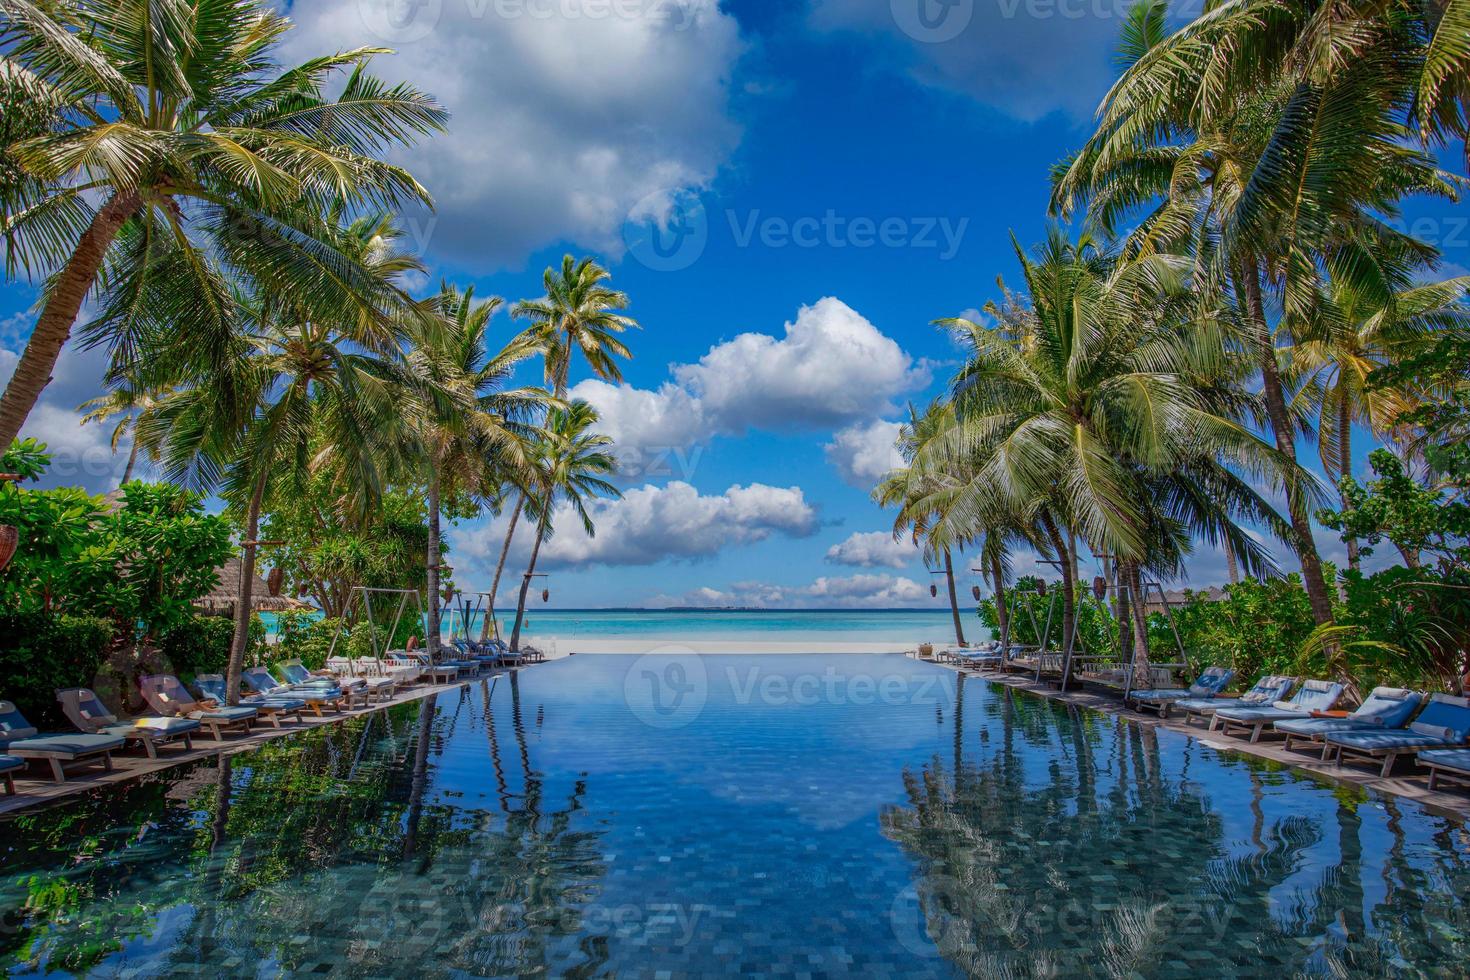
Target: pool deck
(1409, 783)
(129, 764)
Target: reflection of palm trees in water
(1111, 865)
(446, 890)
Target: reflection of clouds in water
(761, 715)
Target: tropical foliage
(234, 220)
(1237, 283)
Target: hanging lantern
(448, 593)
(975, 591)
(933, 589)
(9, 541)
(1041, 587)
(1099, 587)
(274, 580)
(545, 595)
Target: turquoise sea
(837, 625)
(842, 625)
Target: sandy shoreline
(592, 645)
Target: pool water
(775, 815)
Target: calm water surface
(794, 816)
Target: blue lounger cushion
(1210, 683)
(166, 693)
(1266, 690)
(20, 737)
(1313, 696)
(8, 762)
(1385, 708)
(1398, 738)
(89, 714)
(1458, 759)
(66, 745)
(213, 687)
(259, 680)
(297, 675)
(1445, 721)
(160, 726)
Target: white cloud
(873, 549)
(864, 453)
(651, 524)
(831, 367)
(566, 113)
(80, 455)
(1027, 58)
(853, 592)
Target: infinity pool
(799, 816)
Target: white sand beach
(593, 645)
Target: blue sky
(844, 171)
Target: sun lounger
(167, 695)
(376, 683)
(1450, 764)
(84, 709)
(296, 675)
(1311, 697)
(438, 673)
(8, 765)
(1443, 724)
(505, 656)
(260, 681)
(1386, 707)
(270, 708)
(1267, 690)
(1210, 684)
(19, 738)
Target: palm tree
(571, 462)
(1103, 405)
(306, 388)
(578, 313)
(169, 121)
(910, 486)
(471, 429)
(129, 405)
(1352, 336)
(1265, 140)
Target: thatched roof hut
(1180, 597)
(221, 599)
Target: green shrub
(303, 635)
(41, 653)
(199, 645)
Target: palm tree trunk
(63, 302)
(1069, 588)
(954, 601)
(1139, 619)
(515, 636)
(247, 585)
(1231, 566)
(1345, 464)
(1301, 524)
(433, 630)
(510, 531)
(132, 461)
(1002, 612)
